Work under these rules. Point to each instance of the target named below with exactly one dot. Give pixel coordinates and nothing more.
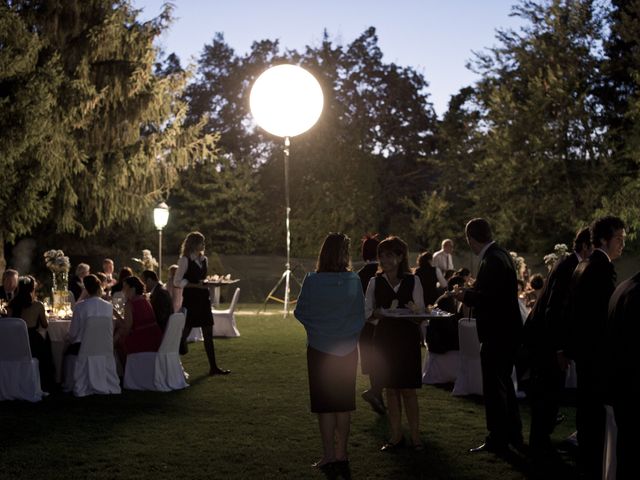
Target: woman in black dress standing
(190, 276)
(397, 340)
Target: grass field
(255, 423)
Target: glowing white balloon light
(286, 100)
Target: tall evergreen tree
(117, 134)
(545, 165)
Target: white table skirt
(58, 330)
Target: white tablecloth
(58, 330)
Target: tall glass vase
(60, 289)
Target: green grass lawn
(255, 423)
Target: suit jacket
(592, 284)
(494, 299)
(162, 305)
(621, 336)
(3, 293)
(547, 326)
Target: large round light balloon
(286, 100)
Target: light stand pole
(286, 101)
(160, 219)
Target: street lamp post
(286, 100)
(160, 218)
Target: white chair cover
(440, 367)
(195, 335)
(161, 371)
(93, 370)
(224, 321)
(609, 463)
(469, 377)
(19, 373)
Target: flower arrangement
(521, 266)
(56, 261)
(559, 252)
(147, 262)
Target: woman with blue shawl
(331, 308)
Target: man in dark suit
(592, 284)
(623, 370)
(494, 300)
(9, 287)
(159, 297)
(545, 333)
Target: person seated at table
(446, 301)
(430, 277)
(104, 285)
(159, 298)
(9, 287)
(442, 333)
(138, 330)
(92, 306)
(25, 306)
(534, 289)
(174, 292)
(126, 272)
(75, 282)
(107, 269)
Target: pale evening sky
(434, 37)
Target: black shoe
(375, 401)
(218, 371)
(392, 447)
(491, 447)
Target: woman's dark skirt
(332, 381)
(198, 305)
(397, 341)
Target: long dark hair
(136, 284)
(398, 247)
(334, 254)
(24, 298)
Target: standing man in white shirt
(442, 259)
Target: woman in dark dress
(191, 276)
(373, 395)
(25, 306)
(397, 340)
(432, 280)
(331, 308)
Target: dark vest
(195, 273)
(384, 294)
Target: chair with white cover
(469, 377)
(93, 370)
(440, 367)
(158, 371)
(224, 321)
(19, 373)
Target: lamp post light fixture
(286, 100)
(160, 219)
